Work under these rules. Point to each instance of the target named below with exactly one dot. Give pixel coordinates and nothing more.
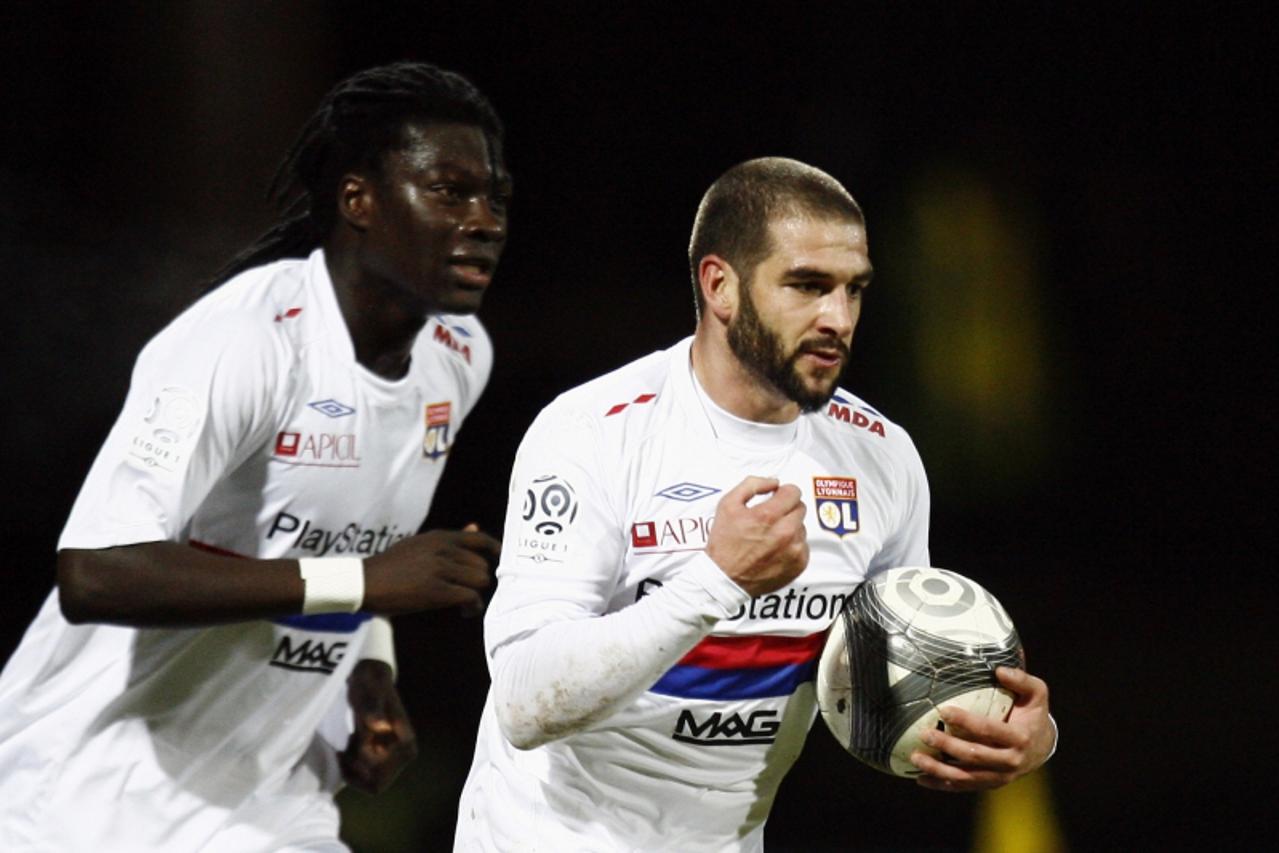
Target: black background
(1136, 561)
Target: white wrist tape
(379, 643)
(332, 585)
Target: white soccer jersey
(612, 498)
(249, 429)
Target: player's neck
(382, 328)
(734, 387)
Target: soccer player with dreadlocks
(218, 628)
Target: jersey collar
(720, 423)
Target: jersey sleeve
(562, 543)
(560, 662)
(907, 544)
(199, 402)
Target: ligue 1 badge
(435, 443)
(836, 499)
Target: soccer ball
(908, 642)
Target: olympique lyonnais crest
(836, 499)
(435, 443)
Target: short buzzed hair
(734, 216)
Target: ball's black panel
(938, 669)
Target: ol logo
(435, 442)
(836, 499)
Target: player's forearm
(568, 676)
(168, 584)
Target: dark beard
(759, 348)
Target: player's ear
(719, 283)
(356, 201)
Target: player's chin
(461, 300)
(824, 386)
(817, 392)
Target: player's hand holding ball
(760, 544)
(922, 676)
(978, 752)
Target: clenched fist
(761, 547)
(436, 569)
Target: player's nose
(836, 317)
(484, 220)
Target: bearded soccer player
(188, 683)
(664, 567)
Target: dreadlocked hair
(360, 119)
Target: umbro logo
(687, 492)
(332, 408)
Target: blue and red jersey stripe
(749, 667)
